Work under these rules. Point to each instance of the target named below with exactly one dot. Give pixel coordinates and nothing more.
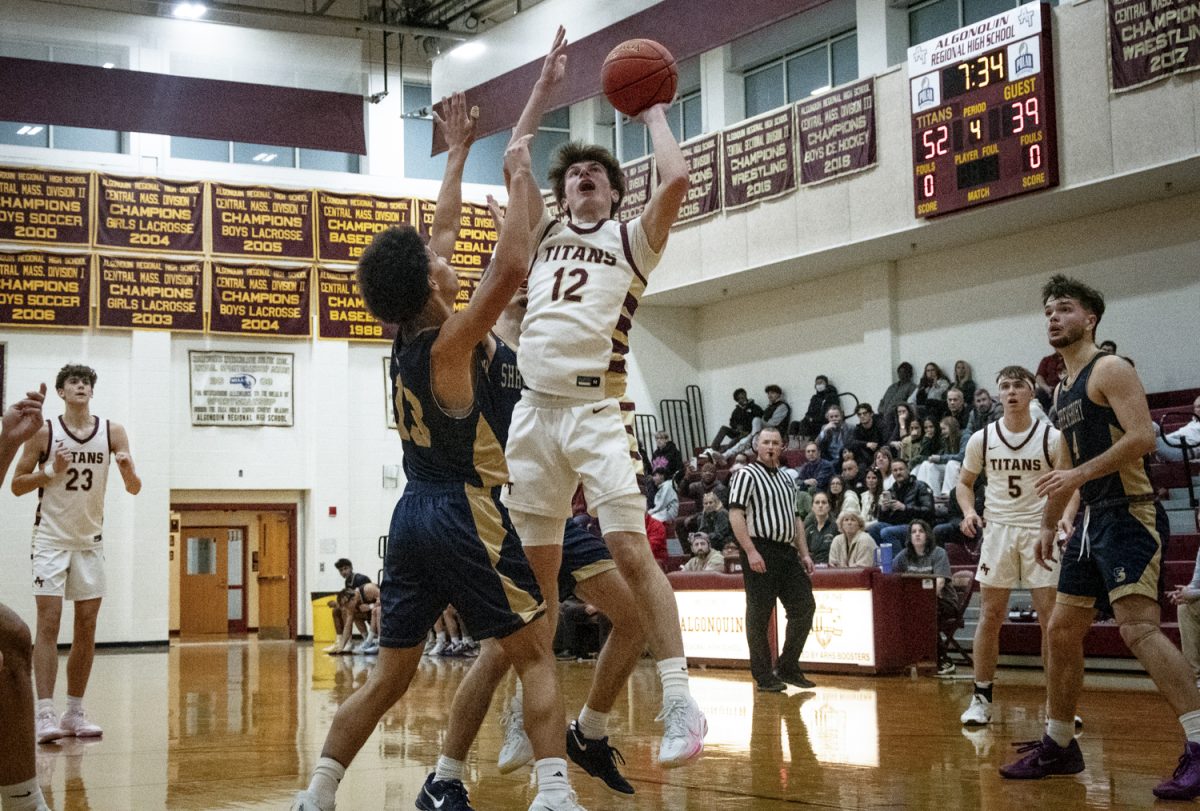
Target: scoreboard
(983, 125)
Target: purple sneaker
(1185, 782)
(1045, 759)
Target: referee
(775, 562)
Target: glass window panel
(558, 119)
(633, 140)
(264, 154)
(235, 559)
(199, 149)
(235, 604)
(674, 122)
(328, 161)
(97, 55)
(418, 135)
(929, 21)
(806, 72)
(87, 139)
(976, 10)
(485, 163)
(764, 90)
(24, 50)
(202, 556)
(542, 152)
(844, 52)
(693, 121)
(19, 134)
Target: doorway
(212, 581)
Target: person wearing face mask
(825, 394)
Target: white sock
(593, 724)
(449, 769)
(25, 796)
(45, 704)
(1191, 725)
(74, 704)
(552, 778)
(674, 676)
(1061, 732)
(325, 779)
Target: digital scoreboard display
(983, 112)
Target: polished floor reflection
(240, 724)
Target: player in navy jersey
(450, 540)
(1115, 552)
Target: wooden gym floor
(239, 724)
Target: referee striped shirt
(768, 496)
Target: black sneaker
(443, 795)
(796, 679)
(771, 686)
(598, 759)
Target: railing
(1186, 449)
(696, 406)
(677, 421)
(645, 426)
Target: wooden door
(203, 581)
(274, 576)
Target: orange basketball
(638, 74)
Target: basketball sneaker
(443, 795)
(305, 801)
(1045, 759)
(75, 722)
(569, 803)
(516, 750)
(597, 758)
(1185, 782)
(684, 728)
(978, 713)
(48, 727)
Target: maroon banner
(148, 213)
(551, 204)
(704, 187)
(47, 206)
(259, 300)
(261, 221)
(1148, 41)
(346, 223)
(837, 132)
(341, 312)
(45, 289)
(477, 235)
(758, 158)
(637, 188)
(146, 292)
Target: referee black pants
(784, 580)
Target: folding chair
(964, 584)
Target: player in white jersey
(67, 463)
(1012, 453)
(585, 281)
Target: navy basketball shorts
(583, 556)
(453, 544)
(1121, 555)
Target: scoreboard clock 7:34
(983, 124)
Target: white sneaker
(75, 722)
(305, 801)
(978, 713)
(571, 803)
(684, 728)
(48, 727)
(517, 749)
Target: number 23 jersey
(584, 286)
(70, 513)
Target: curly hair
(1089, 298)
(393, 275)
(575, 152)
(75, 370)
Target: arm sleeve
(739, 490)
(973, 458)
(639, 245)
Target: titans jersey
(70, 513)
(584, 286)
(1089, 430)
(441, 447)
(504, 379)
(1012, 464)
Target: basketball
(638, 74)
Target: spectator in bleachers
(841, 497)
(666, 500)
(964, 381)
(704, 557)
(852, 475)
(948, 530)
(707, 483)
(656, 534)
(741, 421)
(739, 462)
(776, 415)
(1050, 371)
(804, 501)
(920, 556)
(901, 421)
(814, 474)
(1187, 598)
(871, 495)
(666, 456)
(825, 395)
(852, 546)
(956, 406)
(883, 464)
(835, 434)
(819, 528)
(906, 501)
(897, 393)
(912, 445)
(1189, 433)
(986, 411)
(712, 520)
(950, 448)
(930, 394)
(868, 436)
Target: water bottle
(883, 558)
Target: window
(205, 149)
(798, 75)
(683, 117)
(927, 20)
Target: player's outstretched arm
(663, 208)
(119, 440)
(554, 70)
(458, 128)
(27, 476)
(21, 421)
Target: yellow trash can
(322, 618)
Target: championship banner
(48, 206)
(150, 214)
(259, 300)
(637, 188)
(146, 292)
(837, 133)
(477, 235)
(759, 159)
(1149, 41)
(346, 223)
(551, 203)
(241, 388)
(45, 289)
(341, 312)
(702, 156)
(261, 221)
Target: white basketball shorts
(73, 574)
(1008, 559)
